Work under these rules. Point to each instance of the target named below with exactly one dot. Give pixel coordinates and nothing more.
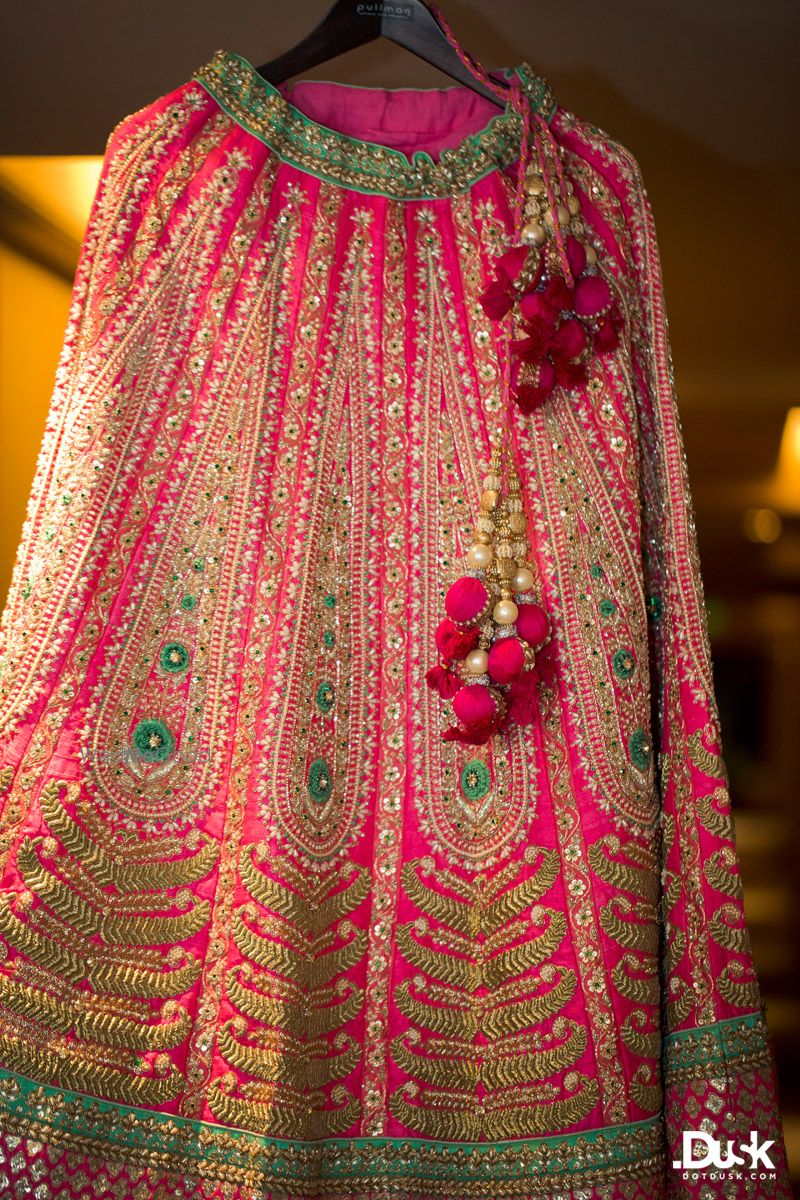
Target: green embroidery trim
(152, 740)
(319, 780)
(639, 747)
(188, 602)
(728, 1047)
(174, 657)
(324, 696)
(623, 662)
(475, 779)
(607, 608)
(329, 637)
(260, 108)
(352, 1166)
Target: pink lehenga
(263, 930)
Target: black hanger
(352, 23)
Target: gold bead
(563, 215)
(506, 567)
(489, 498)
(591, 255)
(533, 232)
(574, 205)
(483, 537)
(517, 522)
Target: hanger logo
(399, 12)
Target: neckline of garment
(365, 166)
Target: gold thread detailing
(706, 760)
(631, 920)
(297, 939)
(80, 1065)
(714, 812)
(259, 107)
(98, 915)
(478, 1052)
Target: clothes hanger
(351, 23)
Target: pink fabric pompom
(474, 705)
(506, 659)
(465, 599)
(592, 296)
(532, 623)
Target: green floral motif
(475, 779)
(607, 608)
(152, 740)
(188, 602)
(329, 638)
(319, 781)
(325, 696)
(174, 658)
(623, 662)
(640, 749)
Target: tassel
(559, 311)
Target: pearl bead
(523, 580)
(477, 661)
(532, 232)
(563, 215)
(479, 555)
(574, 205)
(591, 255)
(505, 612)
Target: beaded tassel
(548, 288)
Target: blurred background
(707, 98)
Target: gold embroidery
(301, 942)
(473, 958)
(706, 760)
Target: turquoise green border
(256, 105)
(49, 1113)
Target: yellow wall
(33, 315)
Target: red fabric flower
(530, 396)
(444, 681)
(499, 296)
(568, 341)
(569, 374)
(535, 344)
(452, 642)
(557, 293)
